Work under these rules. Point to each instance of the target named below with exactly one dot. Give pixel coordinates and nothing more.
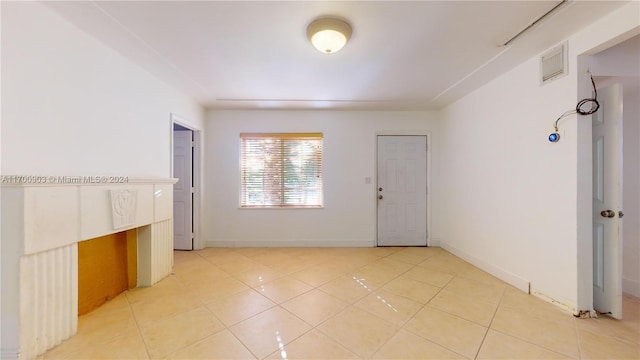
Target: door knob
(607, 213)
(380, 197)
(380, 189)
(620, 214)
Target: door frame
(585, 171)
(374, 194)
(198, 242)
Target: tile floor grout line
(228, 328)
(522, 339)
(338, 342)
(385, 342)
(532, 343)
(243, 344)
(575, 326)
(495, 312)
(613, 337)
(400, 327)
(422, 337)
(297, 337)
(428, 301)
(490, 323)
(295, 315)
(421, 308)
(135, 318)
(354, 306)
(446, 312)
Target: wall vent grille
(553, 64)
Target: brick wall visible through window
(281, 170)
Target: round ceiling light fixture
(328, 34)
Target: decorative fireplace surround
(41, 227)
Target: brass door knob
(607, 213)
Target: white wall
(510, 194)
(72, 106)
(511, 200)
(348, 216)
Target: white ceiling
(402, 55)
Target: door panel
(607, 202)
(402, 202)
(182, 195)
(598, 257)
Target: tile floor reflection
(340, 303)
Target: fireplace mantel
(42, 224)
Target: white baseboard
(221, 243)
(9, 354)
(501, 274)
(562, 304)
(291, 243)
(631, 287)
(510, 278)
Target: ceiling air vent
(553, 63)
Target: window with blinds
(281, 170)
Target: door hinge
(193, 143)
(193, 189)
(193, 236)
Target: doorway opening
(402, 184)
(615, 263)
(185, 166)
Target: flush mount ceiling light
(328, 34)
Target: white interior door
(607, 202)
(402, 190)
(182, 190)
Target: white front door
(607, 202)
(402, 190)
(182, 194)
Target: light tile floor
(380, 303)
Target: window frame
(282, 137)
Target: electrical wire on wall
(580, 110)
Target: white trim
(182, 121)
(504, 275)
(9, 354)
(425, 133)
(436, 242)
(564, 305)
(198, 242)
(291, 243)
(222, 243)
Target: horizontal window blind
(281, 169)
